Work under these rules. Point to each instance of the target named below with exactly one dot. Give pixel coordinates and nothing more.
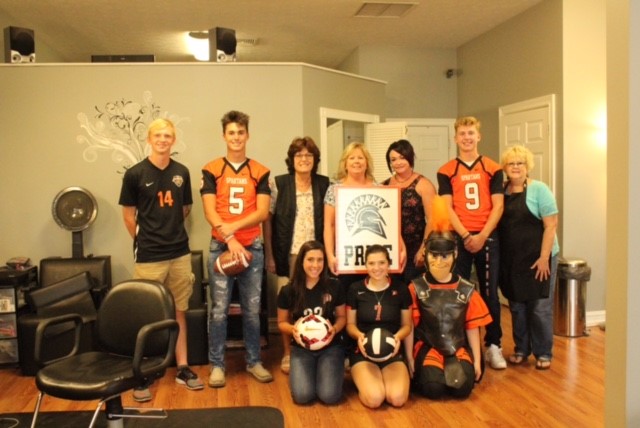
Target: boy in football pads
(447, 315)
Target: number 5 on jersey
(236, 203)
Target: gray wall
(516, 61)
(44, 147)
(417, 85)
(314, 93)
(532, 55)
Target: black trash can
(571, 297)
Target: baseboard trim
(595, 318)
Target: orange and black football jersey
(236, 193)
(471, 188)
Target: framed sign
(366, 216)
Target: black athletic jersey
(378, 309)
(159, 196)
(318, 300)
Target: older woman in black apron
(528, 257)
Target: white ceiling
(320, 32)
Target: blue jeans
(533, 322)
(316, 374)
(487, 266)
(250, 289)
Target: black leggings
(429, 381)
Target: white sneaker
(493, 357)
(260, 373)
(216, 378)
(142, 395)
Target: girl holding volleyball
(378, 302)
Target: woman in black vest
(296, 214)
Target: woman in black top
(416, 194)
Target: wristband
(229, 237)
(467, 236)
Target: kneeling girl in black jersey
(314, 374)
(378, 302)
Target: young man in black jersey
(156, 198)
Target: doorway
(332, 135)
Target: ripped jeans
(249, 284)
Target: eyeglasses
(518, 164)
(303, 156)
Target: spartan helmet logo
(368, 218)
(363, 213)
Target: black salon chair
(136, 332)
(69, 296)
(54, 269)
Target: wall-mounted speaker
(19, 45)
(222, 44)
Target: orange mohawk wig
(439, 219)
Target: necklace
(405, 180)
(378, 305)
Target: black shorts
(357, 357)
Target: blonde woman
(354, 170)
(529, 257)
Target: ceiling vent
(384, 9)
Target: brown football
(228, 265)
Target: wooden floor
(570, 394)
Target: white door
(433, 143)
(335, 145)
(531, 124)
(378, 137)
